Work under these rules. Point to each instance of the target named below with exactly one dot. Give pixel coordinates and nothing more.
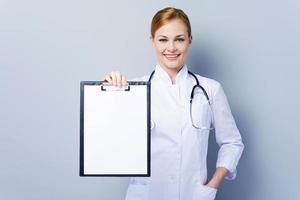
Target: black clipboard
(115, 129)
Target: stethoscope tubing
(191, 99)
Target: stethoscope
(191, 100)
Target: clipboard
(114, 129)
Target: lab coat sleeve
(227, 134)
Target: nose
(171, 47)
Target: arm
(228, 138)
(218, 177)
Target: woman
(179, 135)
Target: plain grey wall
(47, 47)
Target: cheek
(159, 48)
(160, 51)
(185, 49)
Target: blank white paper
(115, 130)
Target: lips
(171, 56)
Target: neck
(172, 72)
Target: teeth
(172, 56)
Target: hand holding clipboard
(116, 78)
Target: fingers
(124, 80)
(116, 78)
(113, 77)
(108, 78)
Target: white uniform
(178, 150)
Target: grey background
(47, 47)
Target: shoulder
(210, 85)
(209, 82)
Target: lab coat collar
(164, 76)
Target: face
(171, 43)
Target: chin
(173, 65)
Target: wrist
(213, 184)
(218, 177)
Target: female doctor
(184, 108)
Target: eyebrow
(175, 36)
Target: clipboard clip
(109, 87)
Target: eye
(162, 40)
(181, 39)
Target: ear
(152, 40)
(190, 39)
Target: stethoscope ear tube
(199, 86)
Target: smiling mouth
(171, 56)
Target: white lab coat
(178, 150)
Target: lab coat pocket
(137, 191)
(207, 193)
(201, 115)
